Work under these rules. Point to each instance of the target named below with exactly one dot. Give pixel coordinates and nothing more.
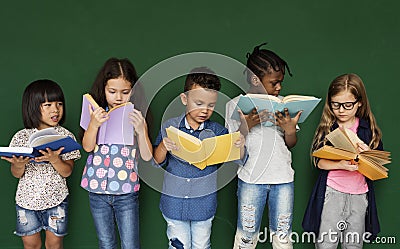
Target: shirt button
(191, 131)
(188, 180)
(186, 196)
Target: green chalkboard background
(69, 41)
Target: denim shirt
(188, 192)
(312, 217)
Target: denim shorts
(53, 219)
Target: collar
(185, 123)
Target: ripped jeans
(251, 203)
(54, 219)
(186, 234)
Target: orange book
(344, 141)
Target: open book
(118, 129)
(46, 138)
(344, 141)
(294, 104)
(202, 153)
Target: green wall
(68, 42)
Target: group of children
(189, 197)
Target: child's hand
(284, 120)
(239, 143)
(348, 165)
(138, 121)
(49, 155)
(98, 116)
(17, 161)
(255, 117)
(362, 147)
(169, 144)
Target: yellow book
(210, 151)
(344, 141)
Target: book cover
(118, 129)
(344, 141)
(202, 153)
(46, 138)
(294, 103)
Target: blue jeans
(251, 203)
(183, 234)
(121, 210)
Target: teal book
(294, 104)
(46, 138)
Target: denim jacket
(312, 216)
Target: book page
(37, 137)
(378, 156)
(290, 98)
(339, 139)
(45, 139)
(371, 170)
(221, 149)
(118, 129)
(190, 147)
(264, 96)
(355, 140)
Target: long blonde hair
(353, 84)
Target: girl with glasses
(343, 200)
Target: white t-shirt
(269, 160)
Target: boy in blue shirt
(189, 199)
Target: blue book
(46, 138)
(294, 104)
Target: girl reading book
(110, 175)
(342, 202)
(42, 192)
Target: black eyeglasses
(346, 105)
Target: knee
(176, 243)
(243, 241)
(33, 245)
(53, 241)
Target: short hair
(36, 93)
(261, 61)
(204, 77)
(113, 68)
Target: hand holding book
(42, 143)
(202, 153)
(293, 103)
(115, 126)
(347, 146)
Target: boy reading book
(210, 151)
(189, 199)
